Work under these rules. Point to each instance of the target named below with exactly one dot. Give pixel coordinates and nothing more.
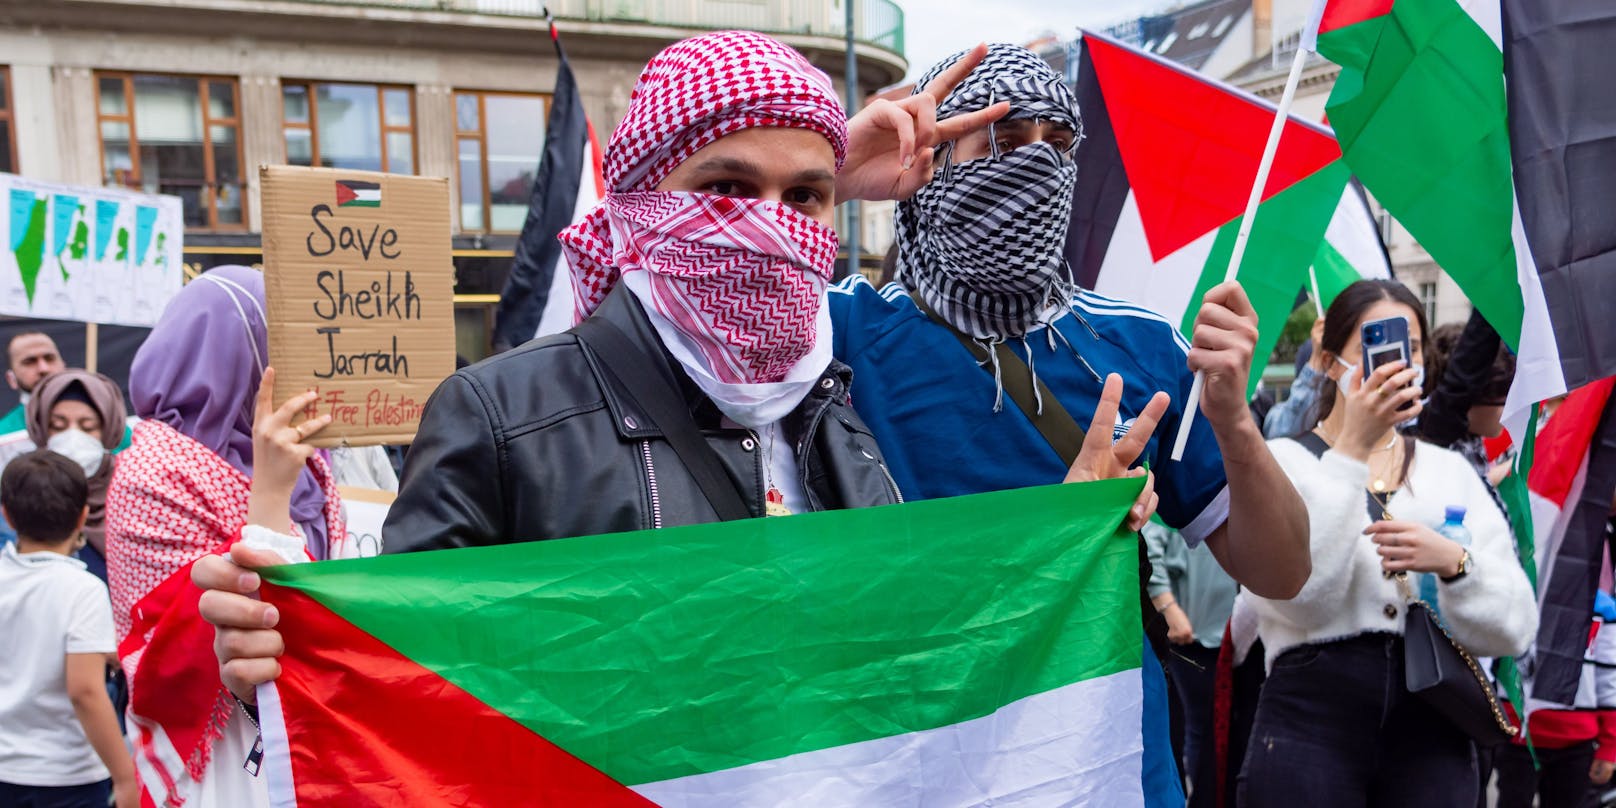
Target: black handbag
(1444, 675)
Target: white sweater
(1491, 611)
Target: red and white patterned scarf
(171, 501)
(734, 286)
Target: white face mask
(1351, 370)
(1346, 375)
(79, 447)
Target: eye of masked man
(976, 368)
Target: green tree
(1297, 328)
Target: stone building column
(263, 142)
(435, 150)
(33, 110)
(78, 135)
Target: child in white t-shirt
(59, 738)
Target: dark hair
(1341, 319)
(1439, 349)
(19, 335)
(1497, 387)
(1439, 345)
(889, 267)
(44, 494)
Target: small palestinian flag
(357, 194)
(1166, 166)
(1351, 250)
(979, 650)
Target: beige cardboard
(360, 298)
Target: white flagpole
(1318, 299)
(1310, 36)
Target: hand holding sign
(359, 285)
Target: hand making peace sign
(1101, 458)
(889, 143)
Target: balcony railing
(876, 22)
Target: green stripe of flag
(663, 654)
(1334, 272)
(1420, 111)
(1285, 237)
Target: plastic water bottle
(1453, 529)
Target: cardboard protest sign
(359, 286)
(95, 255)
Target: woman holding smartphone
(1335, 724)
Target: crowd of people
(717, 373)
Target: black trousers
(1192, 671)
(90, 795)
(1561, 783)
(1336, 728)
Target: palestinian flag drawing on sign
(357, 194)
(1166, 166)
(976, 650)
(1499, 155)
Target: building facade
(190, 97)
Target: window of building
(8, 137)
(178, 135)
(365, 127)
(500, 137)
(1428, 301)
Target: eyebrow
(1027, 123)
(734, 165)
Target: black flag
(567, 162)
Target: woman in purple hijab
(198, 372)
(178, 493)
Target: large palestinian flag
(1167, 163)
(1485, 127)
(968, 651)
(1571, 485)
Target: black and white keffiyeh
(981, 244)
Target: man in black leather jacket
(540, 442)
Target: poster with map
(99, 255)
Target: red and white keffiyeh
(741, 281)
(171, 501)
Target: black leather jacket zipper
(650, 482)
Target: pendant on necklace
(774, 503)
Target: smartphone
(1385, 341)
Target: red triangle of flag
(399, 734)
(345, 194)
(1191, 146)
(1565, 440)
(1342, 13)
